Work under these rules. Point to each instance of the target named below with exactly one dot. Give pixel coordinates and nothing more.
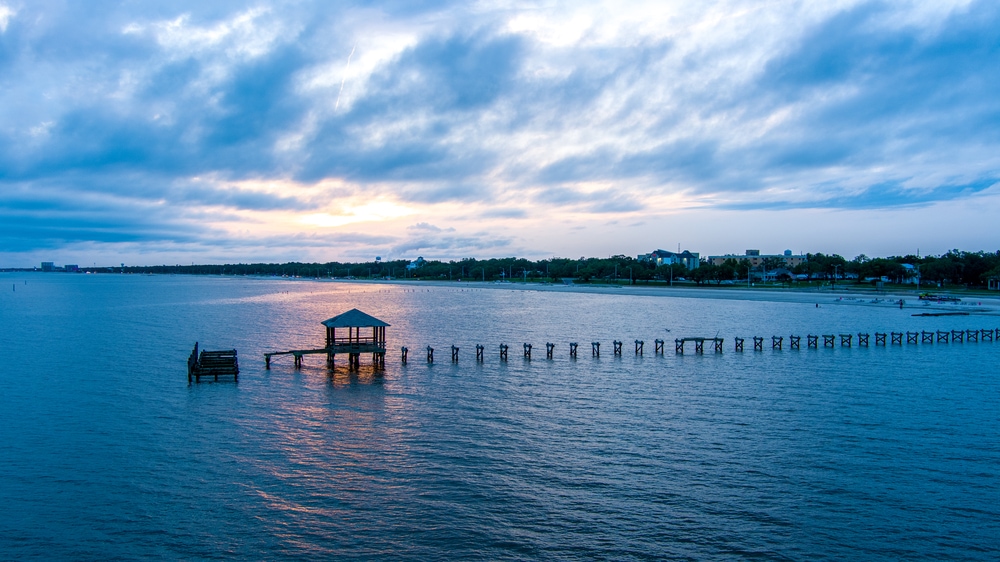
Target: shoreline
(973, 304)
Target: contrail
(344, 79)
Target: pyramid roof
(353, 318)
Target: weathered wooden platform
(213, 364)
(332, 351)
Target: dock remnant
(572, 349)
(213, 364)
(699, 344)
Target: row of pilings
(861, 339)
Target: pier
(357, 343)
(778, 343)
(213, 364)
(353, 345)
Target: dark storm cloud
(429, 89)
(881, 196)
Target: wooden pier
(213, 364)
(353, 345)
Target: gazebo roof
(354, 318)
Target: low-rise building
(754, 258)
(686, 258)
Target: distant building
(753, 258)
(686, 258)
(48, 266)
(415, 264)
(71, 267)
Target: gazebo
(354, 344)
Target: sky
(222, 132)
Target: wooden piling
(828, 340)
(595, 348)
(758, 343)
(794, 342)
(776, 342)
(503, 352)
(430, 354)
(911, 337)
(812, 341)
(678, 346)
(403, 352)
(972, 335)
(639, 344)
(739, 344)
(527, 351)
(880, 339)
(618, 348)
(718, 344)
(549, 348)
(986, 335)
(454, 354)
(958, 335)
(572, 349)
(846, 340)
(658, 349)
(480, 353)
(862, 339)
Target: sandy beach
(823, 297)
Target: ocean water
(106, 452)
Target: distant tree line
(972, 269)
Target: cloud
(6, 14)
(429, 227)
(577, 113)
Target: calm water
(106, 452)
